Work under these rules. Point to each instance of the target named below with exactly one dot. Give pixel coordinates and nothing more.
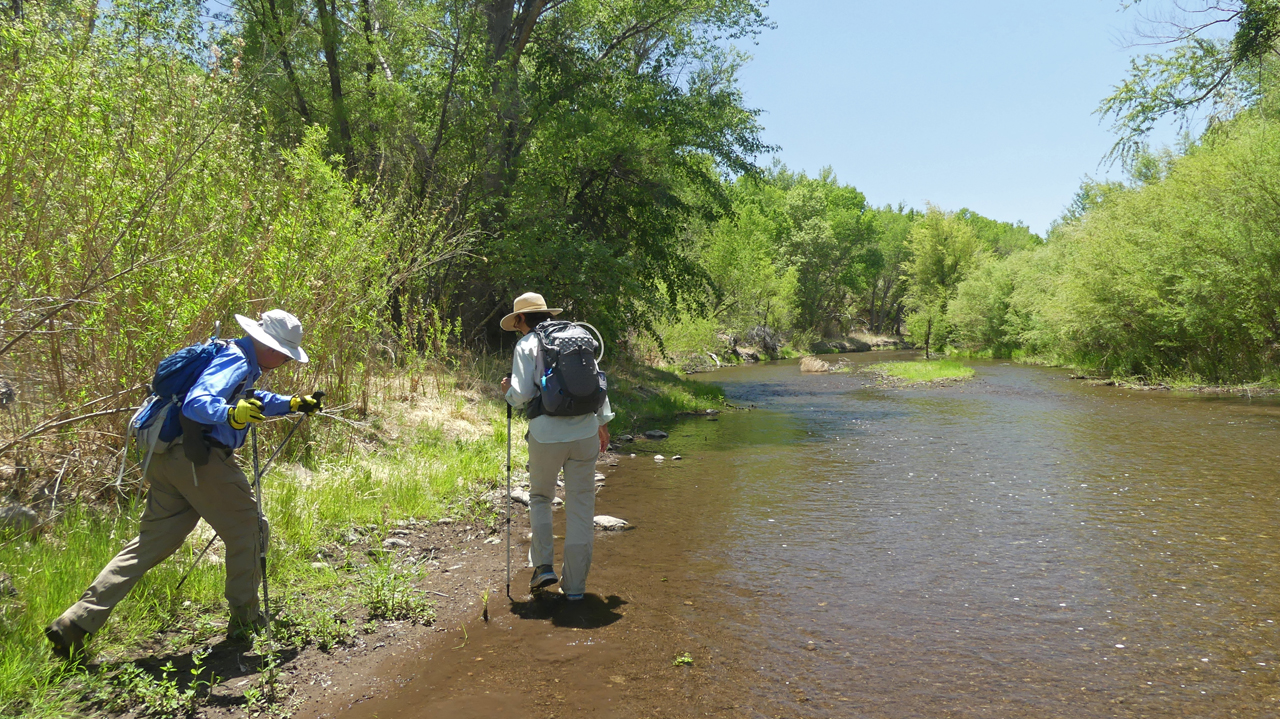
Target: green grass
(640, 394)
(922, 370)
(427, 477)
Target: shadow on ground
(592, 612)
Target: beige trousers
(176, 500)
(578, 459)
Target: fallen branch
(45, 427)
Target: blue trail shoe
(573, 597)
(543, 577)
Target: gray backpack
(570, 382)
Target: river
(1018, 545)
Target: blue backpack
(157, 424)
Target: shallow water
(1019, 545)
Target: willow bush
(1176, 278)
(141, 212)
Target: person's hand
(244, 412)
(506, 384)
(604, 438)
(306, 403)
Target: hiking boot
(544, 576)
(67, 638)
(573, 597)
(244, 630)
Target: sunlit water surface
(1020, 545)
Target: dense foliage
(393, 173)
(1173, 276)
(809, 259)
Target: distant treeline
(808, 258)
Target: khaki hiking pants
(176, 500)
(578, 459)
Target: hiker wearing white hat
(569, 440)
(196, 477)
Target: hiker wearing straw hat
(569, 442)
(196, 477)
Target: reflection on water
(1018, 545)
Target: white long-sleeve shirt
(524, 387)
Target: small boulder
(658, 458)
(394, 543)
(17, 519)
(624, 438)
(655, 434)
(856, 345)
(8, 590)
(611, 524)
(520, 496)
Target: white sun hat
(528, 302)
(278, 330)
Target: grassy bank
(429, 446)
(922, 371)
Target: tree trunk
(928, 337)
(285, 62)
(329, 41)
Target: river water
(1018, 545)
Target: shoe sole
(547, 581)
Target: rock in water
(658, 458)
(813, 364)
(655, 434)
(610, 524)
(17, 519)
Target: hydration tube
(599, 338)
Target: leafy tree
(1198, 72)
(944, 248)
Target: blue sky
(986, 105)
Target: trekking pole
(509, 501)
(262, 528)
(257, 476)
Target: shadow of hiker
(592, 612)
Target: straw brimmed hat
(528, 302)
(278, 330)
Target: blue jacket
(235, 366)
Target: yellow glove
(306, 403)
(244, 412)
